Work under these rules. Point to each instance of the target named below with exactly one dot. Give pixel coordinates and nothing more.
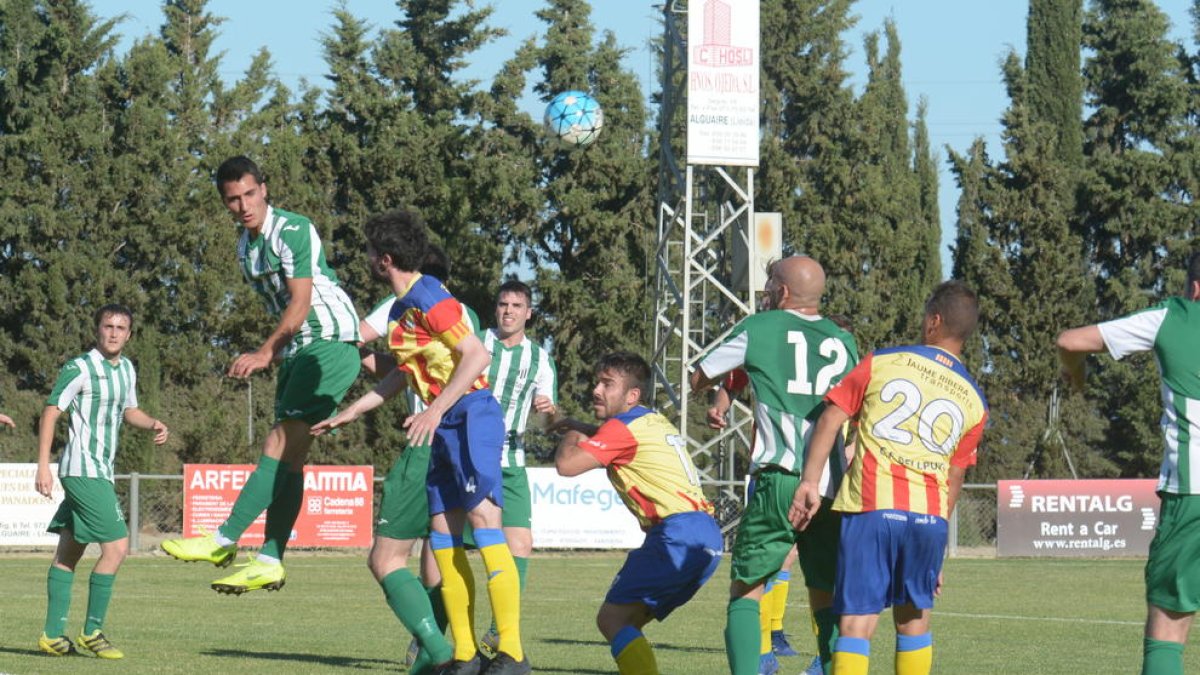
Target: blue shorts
(677, 557)
(464, 466)
(888, 558)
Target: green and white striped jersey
(288, 247)
(377, 319)
(792, 360)
(96, 393)
(1172, 330)
(516, 375)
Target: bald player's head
(804, 281)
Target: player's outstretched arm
(387, 388)
(1073, 347)
(293, 317)
(138, 418)
(807, 498)
(43, 482)
(7, 421)
(571, 459)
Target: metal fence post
(952, 534)
(135, 510)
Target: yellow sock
(852, 656)
(914, 654)
(633, 653)
(764, 622)
(458, 594)
(504, 590)
(779, 597)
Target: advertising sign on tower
(722, 89)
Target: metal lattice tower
(704, 214)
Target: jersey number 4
(830, 348)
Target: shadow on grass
(658, 646)
(323, 659)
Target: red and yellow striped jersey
(919, 412)
(649, 465)
(424, 326)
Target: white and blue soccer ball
(575, 118)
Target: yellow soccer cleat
(99, 645)
(252, 576)
(203, 548)
(59, 646)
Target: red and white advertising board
(1075, 518)
(336, 510)
(24, 514)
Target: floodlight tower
(710, 243)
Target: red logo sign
(715, 50)
(336, 509)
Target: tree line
(107, 195)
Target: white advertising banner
(722, 89)
(24, 514)
(580, 512)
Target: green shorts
(313, 381)
(765, 535)
(518, 504)
(1173, 568)
(90, 511)
(404, 509)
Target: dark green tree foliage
(593, 238)
(1053, 36)
(1018, 246)
(852, 187)
(925, 167)
(807, 109)
(883, 288)
(1137, 202)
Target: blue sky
(951, 51)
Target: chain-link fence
(155, 507)
(972, 525)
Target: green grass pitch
(994, 616)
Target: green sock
(58, 600)
(827, 635)
(438, 605)
(100, 588)
(410, 604)
(1159, 657)
(256, 495)
(742, 636)
(522, 569)
(282, 513)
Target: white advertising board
(580, 512)
(24, 514)
(723, 88)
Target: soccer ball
(575, 118)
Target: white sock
(223, 541)
(270, 560)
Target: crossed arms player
(920, 417)
(649, 466)
(443, 361)
(1171, 329)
